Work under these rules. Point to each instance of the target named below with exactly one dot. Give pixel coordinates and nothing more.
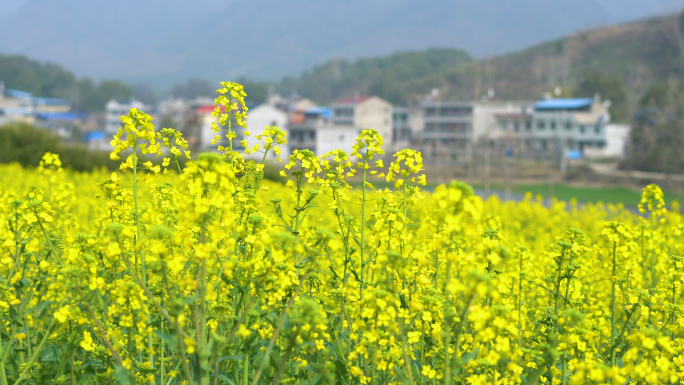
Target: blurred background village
(600, 106)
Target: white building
(365, 112)
(552, 126)
(617, 136)
(330, 138)
(258, 118)
(115, 109)
(448, 128)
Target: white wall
(335, 138)
(206, 134)
(257, 119)
(114, 111)
(617, 136)
(484, 118)
(375, 113)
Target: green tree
(52, 80)
(257, 92)
(26, 144)
(657, 134)
(610, 87)
(396, 77)
(193, 88)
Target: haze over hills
(162, 42)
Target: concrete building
(203, 120)
(365, 112)
(552, 126)
(451, 128)
(114, 109)
(50, 105)
(316, 132)
(304, 126)
(336, 138)
(258, 118)
(322, 129)
(15, 106)
(402, 132)
(175, 109)
(617, 136)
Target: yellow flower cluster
(215, 276)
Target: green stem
(363, 221)
(447, 329)
(138, 240)
(612, 309)
(38, 351)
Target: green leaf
(123, 376)
(169, 340)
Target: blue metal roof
(50, 101)
(563, 104)
(62, 116)
(95, 135)
(326, 112)
(17, 94)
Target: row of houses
(50, 113)
(545, 128)
(447, 129)
(450, 129)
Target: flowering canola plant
(163, 274)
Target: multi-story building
(115, 109)
(50, 105)
(451, 127)
(401, 127)
(304, 125)
(322, 129)
(365, 112)
(15, 105)
(553, 125)
(257, 119)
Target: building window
(341, 138)
(553, 124)
(528, 126)
(568, 125)
(597, 129)
(344, 112)
(516, 126)
(582, 129)
(541, 125)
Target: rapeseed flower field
(208, 274)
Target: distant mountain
(632, 57)
(162, 42)
(52, 80)
(397, 78)
(641, 53)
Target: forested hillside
(397, 77)
(620, 62)
(52, 80)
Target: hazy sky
(163, 41)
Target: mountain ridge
(162, 42)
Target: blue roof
(62, 116)
(563, 104)
(326, 112)
(95, 135)
(17, 94)
(50, 101)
